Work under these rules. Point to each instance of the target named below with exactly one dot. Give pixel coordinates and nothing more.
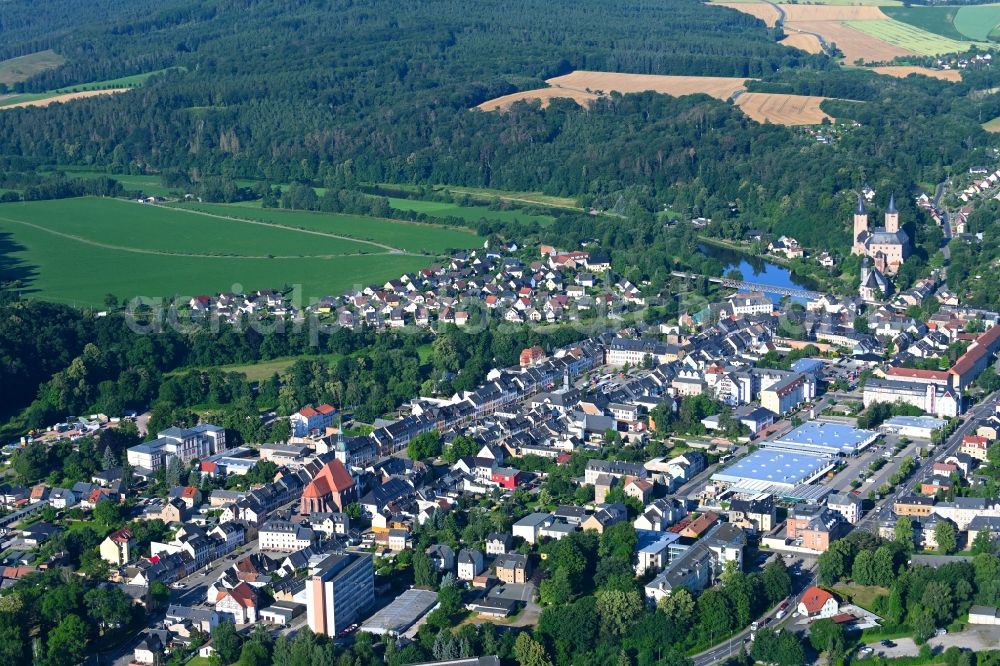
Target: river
(758, 270)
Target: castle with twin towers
(888, 246)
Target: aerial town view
(469, 333)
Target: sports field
(26, 66)
(78, 250)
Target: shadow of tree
(14, 268)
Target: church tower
(860, 226)
(892, 216)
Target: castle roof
(861, 207)
(892, 204)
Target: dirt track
(67, 97)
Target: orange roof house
(817, 601)
(332, 489)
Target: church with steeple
(888, 246)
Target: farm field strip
(803, 41)
(765, 11)
(45, 99)
(782, 109)
(720, 87)
(795, 13)
(396, 236)
(992, 125)
(544, 95)
(902, 71)
(908, 37)
(855, 44)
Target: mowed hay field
(720, 87)
(805, 42)
(24, 67)
(902, 71)
(762, 107)
(782, 109)
(78, 250)
(544, 95)
(992, 125)
(766, 12)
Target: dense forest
(259, 90)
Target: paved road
(971, 418)
(800, 583)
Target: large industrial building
(773, 471)
(822, 438)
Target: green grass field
(978, 22)
(469, 213)
(145, 228)
(486, 194)
(910, 37)
(77, 250)
(26, 66)
(936, 20)
(975, 22)
(409, 236)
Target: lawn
(262, 370)
(71, 270)
(409, 236)
(26, 66)
(468, 213)
(910, 37)
(861, 595)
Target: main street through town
(804, 571)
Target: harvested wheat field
(806, 42)
(720, 87)
(854, 43)
(904, 71)
(766, 12)
(546, 95)
(782, 109)
(66, 97)
(832, 13)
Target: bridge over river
(794, 292)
